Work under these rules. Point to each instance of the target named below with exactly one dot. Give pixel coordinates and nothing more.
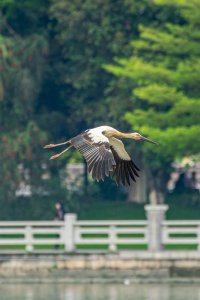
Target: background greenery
(66, 66)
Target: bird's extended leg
(56, 145)
(59, 154)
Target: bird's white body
(97, 135)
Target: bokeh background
(66, 66)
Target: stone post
(28, 237)
(70, 221)
(112, 239)
(155, 216)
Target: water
(99, 292)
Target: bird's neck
(122, 135)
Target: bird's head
(138, 137)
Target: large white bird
(104, 153)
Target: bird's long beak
(147, 140)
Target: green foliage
(22, 64)
(88, 34)
(165, 77)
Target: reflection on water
(99, 292)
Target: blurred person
(59, 216)
(60, 211)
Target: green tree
(22, 65)
(87, 34)
(52, 83)
(164, 75)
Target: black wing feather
(122, 172)
(131, 172)
(132, 165)
(125, 171)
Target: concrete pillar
(155, 216)
(70, 221)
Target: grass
(119, 247)
(99, 247)
(181, 247)
(121, 210)
(112, 210)
(182, 235)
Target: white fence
(71, 235)
(30, 235)
(181, 233)
(110, 234)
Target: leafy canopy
(164, 71)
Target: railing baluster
(112, 238)
(28, 238)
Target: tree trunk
(156, 197)
(157, 188)
(137, 191)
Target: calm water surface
(99, 292)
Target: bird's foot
(54, 156)
(49, 146)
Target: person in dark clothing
(59, 216)
(60, 212)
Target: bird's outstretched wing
(104, 155)
(97, 152)
(125, 170)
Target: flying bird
(105, 154)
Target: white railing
(30, 235)
(111, 234)
(71, 235)
(181, 233)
